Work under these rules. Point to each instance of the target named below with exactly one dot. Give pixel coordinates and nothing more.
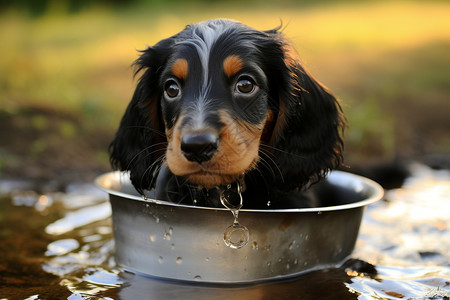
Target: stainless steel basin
(183, 242)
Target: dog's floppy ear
(306, 136)
(140, 141)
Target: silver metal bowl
(182, 242)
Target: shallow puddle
(60, 245)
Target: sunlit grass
(60, 57)
(81, 63)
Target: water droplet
(145, 198)
(306, 237)
(295, 261)
(269, 203)
(179, 260)
(156, 219)
(172, 246)
(197, 278)
(167, 235)
(207, 259)
(319, 212)
(152, 238)
(288, 266)
(279, 260)
(269, 264)
(291, 245)
(255, 245)
(236, 236)
(160, 259)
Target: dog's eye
(172, 90)
(245, 85)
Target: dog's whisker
(163, 134)
(257, 168)
(158, 167)
(283, 151)
(269, 165)
(148, 154)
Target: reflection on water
(61, 244)
(408, 239)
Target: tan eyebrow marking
(232, 65)
(180, 68)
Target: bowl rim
(377, 194)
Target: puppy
(221, 105)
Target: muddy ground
(51, 148)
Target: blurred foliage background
(65, 75)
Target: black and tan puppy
(222, 104)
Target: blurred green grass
(388, 61)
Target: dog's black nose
(199, 147)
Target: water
(60, 245)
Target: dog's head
(221, 99)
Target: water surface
(58, 245)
